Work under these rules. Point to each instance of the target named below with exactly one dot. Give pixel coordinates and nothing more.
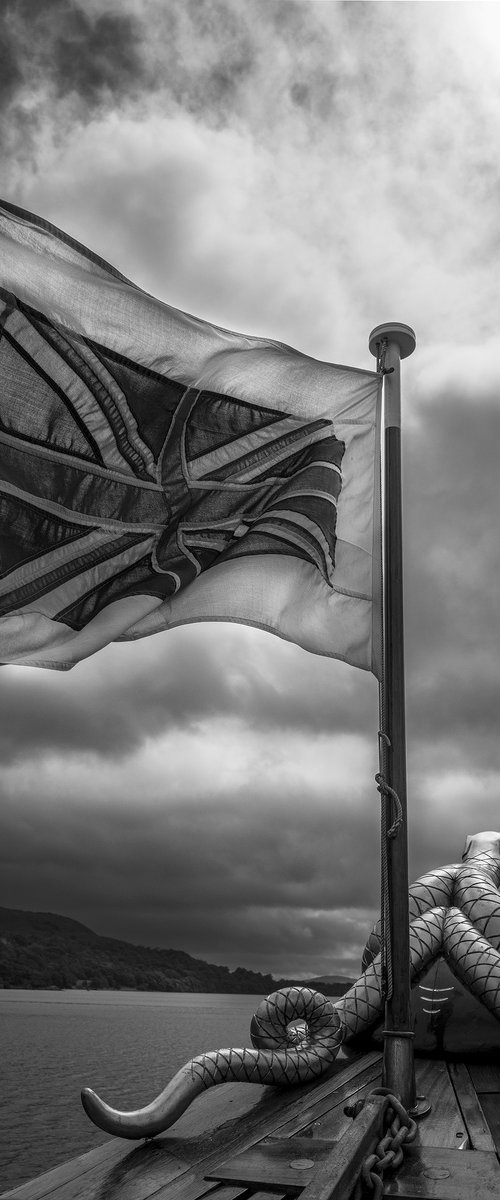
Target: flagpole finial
(402, 335)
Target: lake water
(126, 1045)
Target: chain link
(400, 1130)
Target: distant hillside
(45, 950)
(336, 981)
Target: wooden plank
(136, 1176)
(433, 1173)
(485, 1076)
(229, 1116)
(490, 1103)
(318, 1116)
(119, 1158)
(286, 1163)
(226, 1192)
(191, 1186)
(475, 1121)
(338, 1175)
(333, 1122)
(104, 1156)
(190, 1138)
(320, 1170)
(267, 1195)
(444, 1126)
(138, 1171)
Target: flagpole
(390, 343)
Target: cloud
(75, 49)
(448, 802)
(453, 570)
(204, 116)
(176, 682)
(213, 844)
(230, 842)
(255, 866)
(302, 171)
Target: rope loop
(384, 745)
(385, 790)
(381, 353)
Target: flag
(157, 469)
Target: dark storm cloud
(283, 880)
(97, 57)
(63, 63)
(210, 60)
(106, 54)
(91, 54)
(233, 158)
(191, 681)
(453, 570)
(11, 75)
(246, 881)
(211, 145)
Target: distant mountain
(45, 950)
(343, 981)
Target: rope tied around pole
(385, 790)
(381, 352)
(389, 826)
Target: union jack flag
(116, 478)
(121, 480)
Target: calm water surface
(126, 1045)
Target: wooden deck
(243, 1142)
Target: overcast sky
(303, 170)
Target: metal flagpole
(390, 343)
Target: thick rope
(385, 790)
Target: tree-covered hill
(45, 950)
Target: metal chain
(388, 1153)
